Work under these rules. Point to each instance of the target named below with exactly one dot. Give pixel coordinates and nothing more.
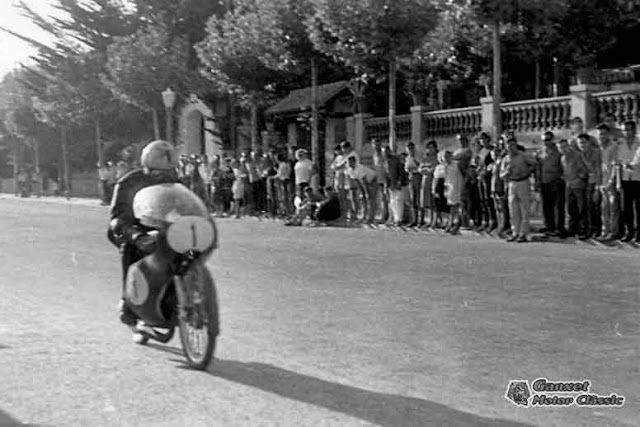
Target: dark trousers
(553, 205)
(576, 200)
(487, 207)
(470, 204)
(594, 209)
(631, 201)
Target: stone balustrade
(537, 115)
(527, 119)
(378, 127)
(451, 122)
(624, 105)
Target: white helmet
(159, 155)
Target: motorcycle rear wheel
(199, 329)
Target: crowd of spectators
(481, 185)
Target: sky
(13, 50)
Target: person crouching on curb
(305, 207)
(366, 181)
(517, 168)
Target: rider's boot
(127, 316)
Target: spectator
(271, 170)
(629, 159)
(239, 187)
(552, 186)
(462, 158)
(438, 190)
(453, 184)
(283, 178)
(576, 175)
(197, 182)
(397, 180)
(215, 181)
(304, 171)
(484, 161)
(615, 133)
(382, 204)
(350, 190)
(610, 197)
(365, 181)
(516, 169)
(427, 168)
(329, 209)
(593, 160)
(412, 167)
(498, 192)
(339, 168)
(306, 207)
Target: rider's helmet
(159, 155)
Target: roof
(300, 99)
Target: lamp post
(169, 99)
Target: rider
(159, 162)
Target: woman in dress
(427, 167)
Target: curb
(54, 199)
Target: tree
(140, 66)
(495, 13)
(233, 56)
(374, 36)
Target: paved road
(319, 327)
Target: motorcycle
(172, 287)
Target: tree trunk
(315, 139)
(156, 125)
(233, 125)
(556, 76)
(99, 146)
(254, 126)
(497, 81)
(65, 163)
(16, 164)
(392, 105)
(537, 89)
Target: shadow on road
(7, 421)
(379, 408)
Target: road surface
(320, 326)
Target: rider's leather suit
(124, 228)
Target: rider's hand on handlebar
(147, 242)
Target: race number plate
(190, 233)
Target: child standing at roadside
(238, 188)
(453, 191)
(437, 190)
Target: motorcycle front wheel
(198, 321)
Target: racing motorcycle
(172, 287)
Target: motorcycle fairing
(145, 288)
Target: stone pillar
(351, 128)
(582, 105)
(487, 115)
(292, 134)
(417, 125)
(359, 131)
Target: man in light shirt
(610, 197)
(379, 167)
(365, 180)
(629, 159)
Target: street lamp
(169, 99)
